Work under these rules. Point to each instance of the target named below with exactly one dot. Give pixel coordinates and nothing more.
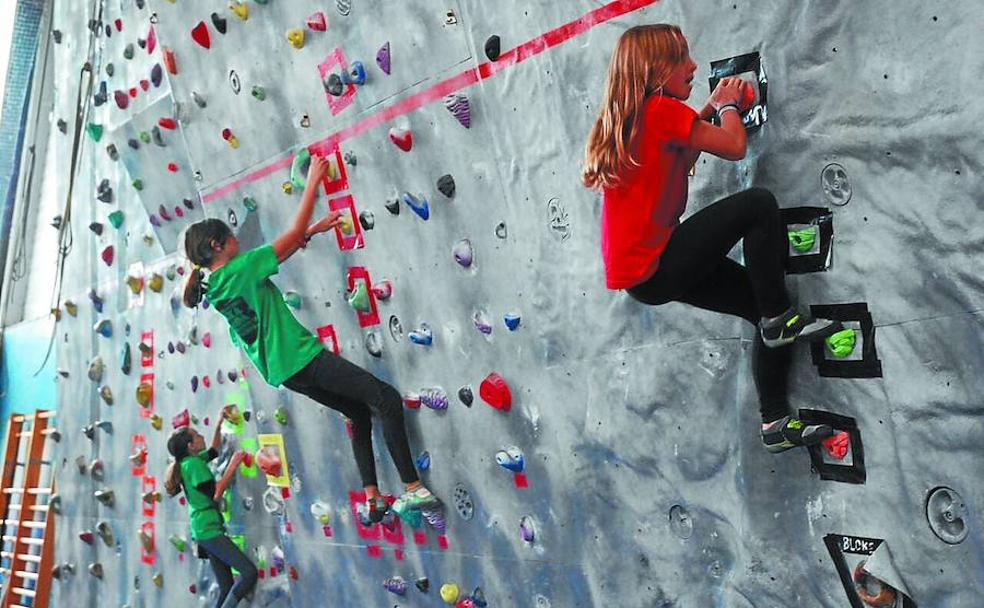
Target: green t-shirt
(206, 521)
(259, 320)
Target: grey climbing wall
(645, 480)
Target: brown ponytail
(198, 244)
(177, 446)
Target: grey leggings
(224, 555)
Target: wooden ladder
(27, 557)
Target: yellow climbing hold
(241, 9)
(156, 283)
(345, 224)
(135, 284)
(156, 421)
(71, 307)
(287, 187)
(296, 38)
(158, 579)
(450, 593)
(144, 393)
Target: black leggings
(343, 386)
(694, 269)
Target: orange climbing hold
(170, 64)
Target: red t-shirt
(639, 215)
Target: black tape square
(863, 364)
(819, 257)
(756, 116)
(827, 467)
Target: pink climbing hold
(458, 105)
(383, 58)
(383, 290)
(183, 418)
(168, 123)
(495, 392)
(403, 138)
(836, 445)
(107, 255)
(200, 35)
(152, 44)
(317, 23)
(269, 461)
(145, 85)
(207, 340)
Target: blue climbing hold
(104, 328)
(424, 461)
(419, 205)
(356, 74)
(423, 336)
(512, 321)
(511, 458)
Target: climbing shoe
(372, 511)
(792, 326)
(409, 504)
(788, 432)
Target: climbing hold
(482, 323)
(333, 85)
(241, 9)
(836, 445)
(96, 570)
(836, 185)
(478, 598)
(396, 328)
(173, 168)
(316, 22)
(126, 359)
(402, 138)
(383, 58)
(156, 75)
(458, 105)
(116, 218)
(97, 302)
(71, 307)
(110, 69)
(492, 47)
(358, 298)
(258, 92)
(367, 220)
(87, 536)
(114, 154)
(495, 392)
(158, 579)
(356, 74)
(105, 533)
(424, 461)
(181, 419)
(841, 344)
(207, 339)
(500, 230)
(234, 82)
(299, 167)
(133, 143)
(511, 459)
(295, 37)
(121, 98)
(146, 540)
(250, 203)
(178, 542)
(138, 185)
(344, 7)
(463, 253)
(422, 336)
(436, 520)
(97, 228)
(128, 51)
(194, 384)
(466, 396)
(396, 585)
(680, 522)
(105, 496)
(104, 192)
(392, 203)
(419, 205)
(463, 503)
(947, 515)
(157, 136)
(200, 35)
(511, 321)
(198, 99)
(287, 187)
(95, 131)
(527, 530)
(167, 123)
(383, 290)
(450, 593)
(156, 283)
(57, 36)
(445, 184)
(305, 121)
(293, 299)
(101, 95)
(145, 392)
(374, 344)
(156, 421)
(144, 137)
(803, 240)
(434, 398)
(106, 394)
(280, 415)
(269, 462)
(104, 328)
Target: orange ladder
(27, 557)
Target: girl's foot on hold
(372, 511)
(417, 499)
(791, 326)
(788, 432)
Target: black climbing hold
(104, 192)
(350, 158)
(233, 220)
(97, 228)
(140, 4)
(422, 584)
(188, 203)
(446, 185)
(133, 143)
(393, 205)
(155, 134)
(492, 48)
(109, 30)
(62, 125)
(367, 220)
(101, 96)
(142, 43)
(156, 74)
(466, 396)
(113, 152)
(57, 36)
(333, 84)
(219, 22)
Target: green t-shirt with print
(206, 520)
(259, 320)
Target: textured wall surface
(647, 481)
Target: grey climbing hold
(493, 47)
(198, 99)
(500, 230)
(333, 84)
(680, 522)
(367, 220)
(96, 367)
(110, 69)
(344, 7)
(463, 503)
(155, 134)
(128, 51)
(836, 185)
(56, 35)
(466, 395)
(104, 192)
(947, 515)
(445, 184)
(350, 158)
(393, 203)
(133, 143)
(62, 125)
(396, 328)
(374, 344)
(234, 82)
(114, 154)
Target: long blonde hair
(642, 61)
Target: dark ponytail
(177, 446)
(199, 249)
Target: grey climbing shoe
(793, 326)
(372, 511)
(788, 432)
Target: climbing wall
(592, 451)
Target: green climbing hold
(359, 298)
(110, 70)
(94, 131)
(299, 167)
(138, 184)
(178, 542)
(280, 414)
(116, 218)
(144, 137)
(293, 299)
(250, 203)
(803, 240)
(259, 93)
(841, 344)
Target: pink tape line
(521, 53)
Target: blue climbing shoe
(792, 326)
(788, 432)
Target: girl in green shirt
(190, 472)
(285, 352)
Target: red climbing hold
(107, 255)
(836, 445)
(122, 101)
(495, 392)
(173, 168)
(200, 35)
(169, 62)
(119, 25)
(269, 461)
(316, 22)
(403, 138)
(145, 85)
(747, 95)
(168, 123)
(133, 92)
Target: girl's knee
(763, 198)
(390, 402)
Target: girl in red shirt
(638, 154)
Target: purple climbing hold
(526, 529)
(155, 221)
(383, 58)
(458, 105)
(436, 520)
(233, 375)
(512, 321)
(482, 323)
(180, 347)
(194, 384)
(463, 253)
(396, 585)
(434, 398)
(97, 302)
(419, 205)
(156, 75)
